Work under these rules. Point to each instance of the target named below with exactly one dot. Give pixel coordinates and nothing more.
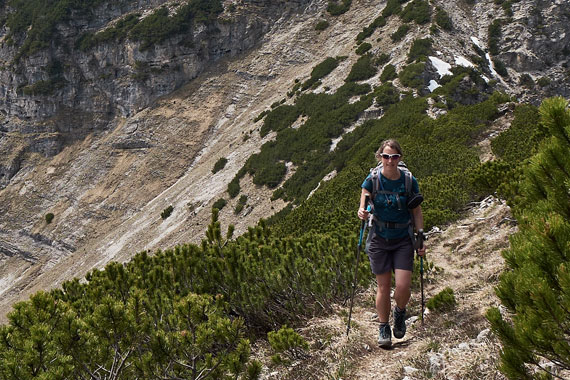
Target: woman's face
(390, 157)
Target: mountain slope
(107, 190)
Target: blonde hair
(388, 143)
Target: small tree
(536, 287)
(219, 165)
(49, 217)
(166, 212)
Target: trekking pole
(362, 226)
(421, 239)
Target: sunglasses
(387, 156)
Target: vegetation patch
(378, 22)
(420, 50)
(219, 204)
(393, 7)
(443, 20)
(400, 33)
(411, 75)
(388, 73)
(494, 34)
(535, 312)
(362, 69)
(363, 48)
(166, 212)
(287, 345)
(241, 204)
(336, 8)
(418, 11)
(322, 25)
(219, 165)
(49, 217)
(321, 70)
(387, 94)
(442, 301)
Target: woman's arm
(362, 213)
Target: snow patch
(462, 61)
(433, 85)
(476, 41)
(442, 67)
(491, 66)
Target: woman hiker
(389, 245)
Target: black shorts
(386, 255)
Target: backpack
(377, 187)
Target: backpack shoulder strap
(375, 177)
(407, 177)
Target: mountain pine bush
(535, 289)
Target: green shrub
(410, 76)
(400, 33)
(166, 212)
(518, 142)
(420, 50)
(320, 71)
(388, 73)
(362, 69)
(500, 67)
(219, 165)
(279, 118)
(238, 209)
(535, 284)
(443, 301)
(381, 59)
(392, 7)
(336, 9)
(494, 35)
(387, 94)
(369, 30)
(116, 33)
(219, 204)
(234, 187)
(287, 342)
(443, 20)
(260, 116)
(49, 217)
(543, 81)
(363, 48)
(270, 175)
(487, 178)
(159, 26)
(241, 204)
(322, 25)
(418, 11)
(42, 87)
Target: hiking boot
(399, 322)
(385, 335)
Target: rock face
(133, 131)
(115, 78)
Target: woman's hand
(363, 214)
(422, 250)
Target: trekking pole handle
(421, 237)
(363, 224)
